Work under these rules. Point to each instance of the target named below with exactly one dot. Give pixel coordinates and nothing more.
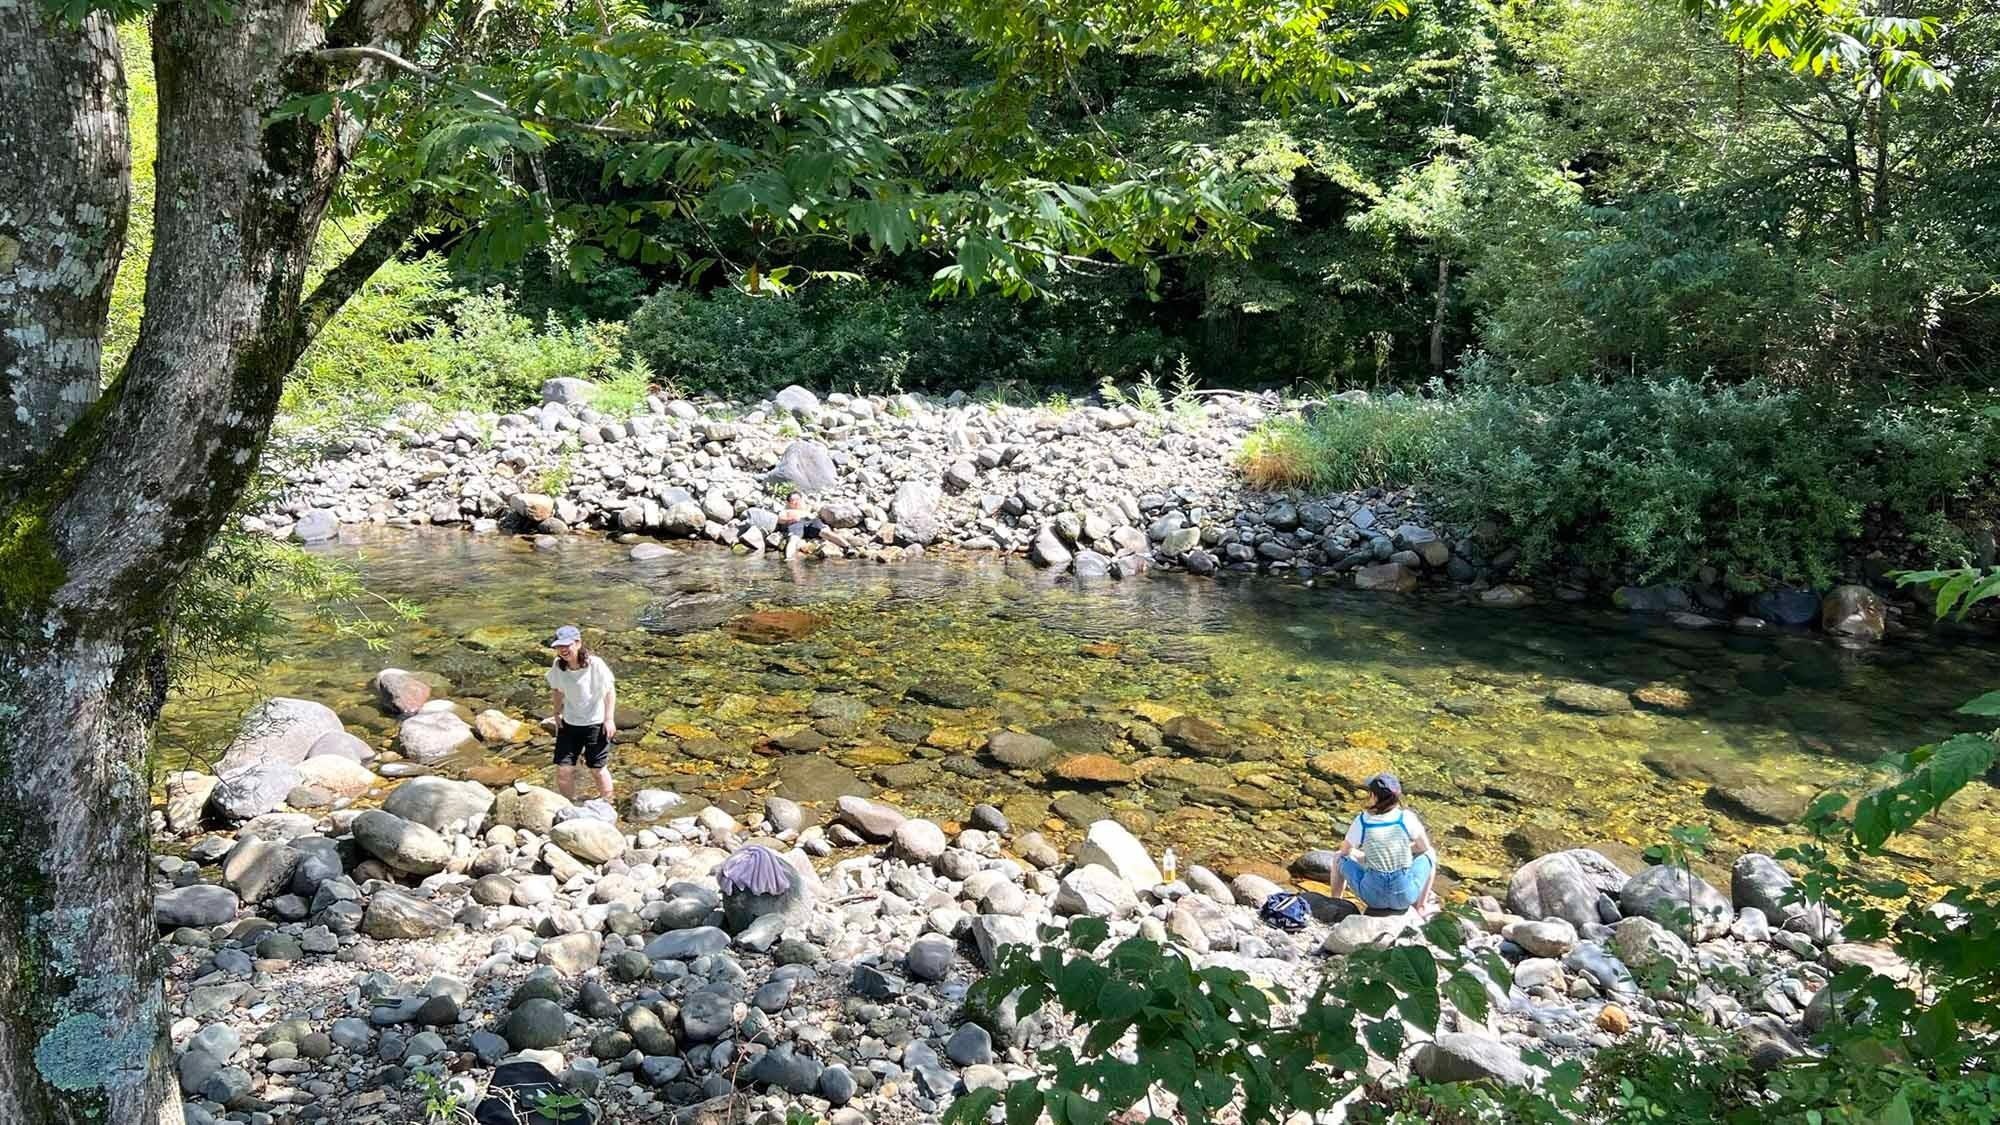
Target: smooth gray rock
(1682, 902)
(1465, 1057)
(686, 945)
(402, 844)
(197, 905)
(437, 802)
(1564, 885)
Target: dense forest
(1559, 189)
(1654, 304)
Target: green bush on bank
(1656, 479)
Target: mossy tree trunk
(108, 499)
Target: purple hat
(567, 635)
(1384, 784)
(756, 869)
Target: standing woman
(1387, 856)
(583, 695)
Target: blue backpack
(1285, 910)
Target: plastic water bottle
(1167, 866)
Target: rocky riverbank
(349, 946)
(1097, 491)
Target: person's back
(1386, 857)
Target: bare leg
(603, 776)
(566, 782)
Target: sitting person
(1387, 856)
(798, 523)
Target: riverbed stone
(1456, 1056)
(1668, 894)
(402, 844)
(528, 806)
(338, 774)
(251, 791)
(278, 730)
(1591, 699)
(196, 905)
(589, 839)
(394, 914)
(1095, 892)
(1109, 845)
(438, 803)
(1019, 750)
(401, 693)
(432, 735)
(1564, 885)
(872, 819)
(258, 868)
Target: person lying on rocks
(1387, 858)
(584, 695)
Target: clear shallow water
(902, 671)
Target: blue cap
(1384, 783)
(567, 635)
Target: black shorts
(588, 741)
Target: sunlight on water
(1231, 719)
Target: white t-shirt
(583, 690)
(1419, 839)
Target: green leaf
(971, 1109)
(1939, 772)
(1986, 706)
(1024, 1103)
(1936, 1031)
(1897, 1112)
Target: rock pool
(1230, 719)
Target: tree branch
(344, 280)
(358, 55)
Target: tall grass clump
(1395, 439)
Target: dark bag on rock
(517, 1088)
(1286, 911)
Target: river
(887, 680)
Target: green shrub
(1653, 480)
(408, 336)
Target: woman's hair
(1384, 800)
(582, 656)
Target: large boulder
(1564, 885)
(433, 735)
(1646, 945)
(405, 845)
(280, 730)
(807, 466)
(438, 803)
(589, 839)
(529, 806)
(1107, 844)
(914, 510)
(1387, 577)
(401, 693)
(568, 391)
(796, 400)
(1677, 899)
(251, 791)
(394, 914)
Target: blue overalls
(1387, 890)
